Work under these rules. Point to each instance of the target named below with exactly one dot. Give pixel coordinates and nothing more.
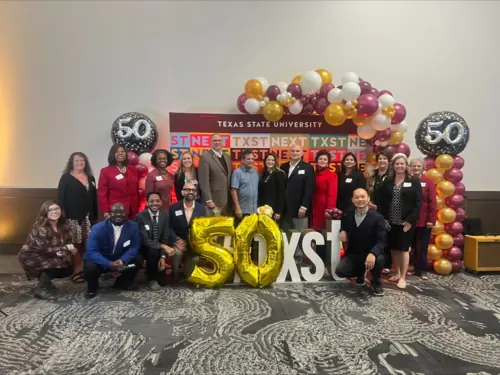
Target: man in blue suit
(113, 246)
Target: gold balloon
(202, 242)
(446, 215)
(434, 252)
(371, 157)
(360, 121)
(351, 112)
(445, 189)
(334, 114)
(273, 111)
(389, 112)
(442, 266)
(292, 100)
(440, 202)
(444, 162)
(264, 274)
(326, 76)
(444, 241)
(396, 138)
(296, 79)
(435, 175)
(438, 228)
(253, 88)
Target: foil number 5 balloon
(202, 234)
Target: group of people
(386, 213)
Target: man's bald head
(296, 153)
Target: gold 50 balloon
(202, 234)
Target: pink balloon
(325, 89)
(454, 254)
(367, 105)
(272, 92)
(458, 162)
(454, 175)
(430, 162)
(454, 229)
(375, 92)
(295, 90)
(383, 135)
(132, 157)
(389, 151)
(307, 109)
(455, 201)
(403, 148)
(382, 92)
(366, 88)
(460, 188)
(241, 103)
(456, 266)
(142, 169)
(321, 105)
(458, 240)
(400, 114)
(461, 214)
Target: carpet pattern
(446, 325)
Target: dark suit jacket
(145, 223)
(179, 227)
(100, 246)
(411, 194)
(369, 237)
(299, 188)
(272, 190)
(346, 186)
(75, 200)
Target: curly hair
(155, 155)
(69, 165)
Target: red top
(325, 197)
(160, 183)
(428, 210)
(114, 187)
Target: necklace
(122, 169)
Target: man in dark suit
(155, 234)
(113, 246)
(365, 232)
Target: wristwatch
(163, 256)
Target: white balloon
(386, 100)
(252, 106)
(266, 99)
(334, 95)
(280, 97)
(349, 77)
(384, 143)
(350, 91)
(401, 127)
(296, 107)
(366, 131)
(283, 86)
(262, 104)
(263, 83)
(145, 159)
(381, 122)
(377, 143)
(310, 82)
(288, 95)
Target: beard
(189, 197)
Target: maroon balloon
(303, 100)
(382, 92)
(458, 162)
(454, 229)
(367, 105)
(308, 109)
(455, 201)
(383, 135)
(461, 214)
(389, 151)
(241, 103)
(141, 192)
(142, 169)
(325, 89)
(321, 105)
(456, 266)
(458, 240)
(313, 100)
(272, 92)
(454, 254)
(132, 157)
(366, 88)
(286, 111)
(454, 175)
(430, 162)
(400, 114)
(403, 148)
(460, 188)
(430, 265)
(295, 90)
(375, 92)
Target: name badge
(146, 227)
(159, 178)
(302, 171)
(93, 183)
(407, 184)
(178, 213)
(119, 177)
(424, 184)
(348, 180)
(127, 243)
(195, 182)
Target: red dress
(116, 187)
(160, 183)
(325, 197)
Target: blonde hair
(181, 166)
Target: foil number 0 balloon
(202, 235)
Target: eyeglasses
(54, 209)
(189, 190)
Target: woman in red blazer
(118, 182)
(325, 194)
(426, 220)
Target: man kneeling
(113, 246)
(365, 232)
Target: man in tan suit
(214, 175)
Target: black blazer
(179, 227)
(299, 188)
(272, 190)
(411, 194)
(75, 200)
(179, 184)
(369, 237)
(143, 219)
(347, 185)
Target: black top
(374, 183)
(179, 181)
(223, 162)
(148, 241)
(347, 185)
(299, 188)
(75, 200)
(272, 190)
(369, 237)
(411, 195)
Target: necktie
(155, 218)
(118, 231)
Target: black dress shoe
(45, 294)
(90, 295)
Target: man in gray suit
(214, 175)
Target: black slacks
(420, 246)
(353, 265)
(92, 272)
(57, 273)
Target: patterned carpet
(447, 325)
